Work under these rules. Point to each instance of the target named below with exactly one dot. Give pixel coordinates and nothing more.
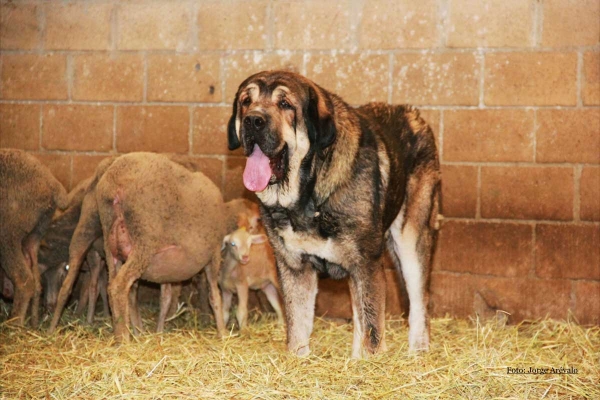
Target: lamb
(248, 263)
(158, 218)
(29, 195)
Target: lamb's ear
(232, 138)
(319, 119)
(225, 241)
(257, 239)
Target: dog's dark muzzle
(255, 123)
(256, 130)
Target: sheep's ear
(226, 239)
(257, 239)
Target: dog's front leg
(367, 290)
(299, 289)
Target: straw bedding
(467, 360)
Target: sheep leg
(119, 288)
(242, 309)
(273, 297)
(82, 302)
(134, 310)
(166, 296)
(227, 297)
(31, 246)
(214, 294)
(175, 293)
(102, 284)
(95, 264)
(15, 265)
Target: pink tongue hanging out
(258, 171)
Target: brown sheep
(163, 221)
(29, 195)
(248, 263)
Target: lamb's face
(239, 243)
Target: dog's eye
(233, 244)
(283, 104)
(246, 101)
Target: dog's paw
(418, 342)
(301, 350)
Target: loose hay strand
(467, 360)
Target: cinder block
(357, 78)
(20, 126)
(78, 26)
(486, 248)
(591, 79)
(436, 79)
(400, 24)
(488, 135)
(527, 192)
(474, 23)
(589, 186)
(34, 77)
(567, 251)
(312, 24)
(103, 77)
(568, 136)
(19, 26)
(233, 25)
(210, 131)
(587, 302)
(161, 129)
(176, 77)
(77, 127)
(571, 23)
(530, 79)
(459, 191)
(154, 25)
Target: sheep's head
(239, 243)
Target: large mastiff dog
(336, 185)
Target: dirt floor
(467, 360)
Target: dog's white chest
(303, 243)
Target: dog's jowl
(338, 185)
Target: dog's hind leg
(413, 234)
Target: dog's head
(279, 118)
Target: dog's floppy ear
(232, 139)
(319, 119)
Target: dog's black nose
(254, 122)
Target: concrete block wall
(511, 89)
